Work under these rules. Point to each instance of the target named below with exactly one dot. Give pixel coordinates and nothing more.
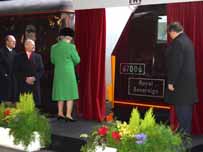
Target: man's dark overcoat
(180, 61)
(25, 67)
(7, 79)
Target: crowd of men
(20, 72)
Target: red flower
(116, 135)
(102, 131)
(7, 112)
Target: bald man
(7, 79)
(29, 68)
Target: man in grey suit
(181, 77)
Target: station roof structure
(26, 7)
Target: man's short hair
(176, 27)
(29, 41)
(7, 37)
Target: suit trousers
(184, 115)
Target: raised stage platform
(66, 137)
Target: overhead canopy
(19, 7)
(83, 4)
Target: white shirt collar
(9, 49)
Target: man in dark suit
(29, 68)
(7, 79)
(181, 77)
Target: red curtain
(191, 17)
(90, 28)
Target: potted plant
(139, 135)
(23, 127)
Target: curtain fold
(90, 28)
(190, 15)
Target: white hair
(29, 41)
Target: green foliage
(134, 122)
(159, 137)
(25, 120)
(24, 126)
(93, 141)
(26, 103)
(149, 120)
(2, 109)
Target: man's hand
(171, 87)
(30, 80)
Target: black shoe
(60, 118)
(70, 119)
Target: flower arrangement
(139, 135)
(23, 120)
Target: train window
(162, 29)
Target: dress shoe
(70, 119)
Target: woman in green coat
(64, 56)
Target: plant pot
(7, 141)
(106, 149)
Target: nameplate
(146, 87)
(132, 68)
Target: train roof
(29, 7)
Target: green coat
(64, 56)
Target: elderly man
(29, 68)
(182, 89)
(7, 79)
